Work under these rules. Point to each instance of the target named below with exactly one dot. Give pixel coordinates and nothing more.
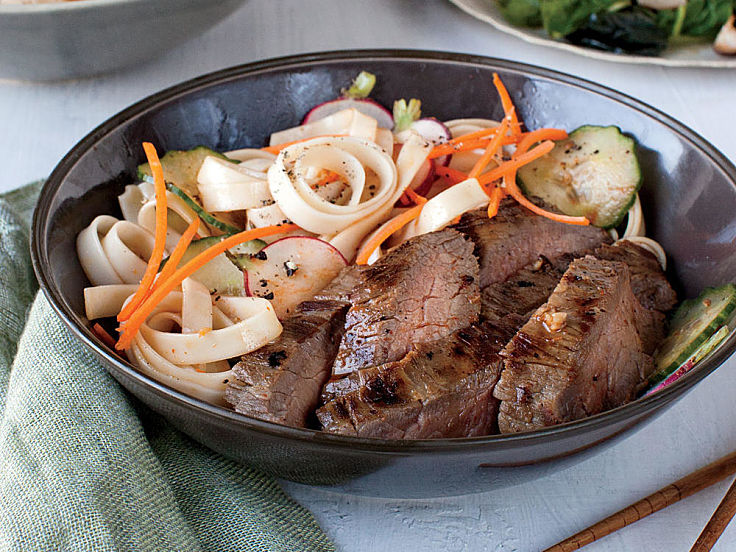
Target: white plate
(697, 55)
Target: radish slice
(433, 131)
(366, 106)
(436, 132)
(292, 270)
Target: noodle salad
(214, 250)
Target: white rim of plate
(527, 36)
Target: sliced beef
(648, 282)
(281, 381)
(527, 289)
(579, 354)
(516, 237)
(422, 291)
(343, 285)
(523, 292)
(439, 389)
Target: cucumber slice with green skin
(241, 255)
(695, 321)
(181, 167)
(594, 173)
(206, 217)
(220, 275)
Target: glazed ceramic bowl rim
(633, 410)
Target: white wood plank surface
(40, 122)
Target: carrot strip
(330, 177)
(496, 196)
(415, 197)
(171, 264)
(130, 329)
(514, 191)
(453, 175)
(482, 133)
(159, 243)
(105, 337)
(491, 149)
(506, 102)
(277, 148)
(516, 162)
(476, 135)
(178, 252)
(389, 228)
(528, 139)
(448, 148)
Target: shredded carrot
(105, 337)
(514, 191)
(482, 133)
(159, 244)
(388, 228)
(415, 197)
(496, 195)
(509, 178)
(177, 254)
(170, 266)
(331, 176)
(131, 327)
(448, 148)
(453, 175)
(491, 149)
(528, 139)
(506, 102)
(516, 162)
(456, 219)
(277, 148)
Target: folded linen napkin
(84, 466)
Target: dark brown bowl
(689, 199)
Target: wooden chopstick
(718, 523)
(682, 488)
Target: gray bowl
(689, 199)
(89, 37)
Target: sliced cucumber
(220, 275)
(594, 173)
(206, 217)
(181, 167)
(694, 323)
(241, 255)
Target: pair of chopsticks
(682, 488)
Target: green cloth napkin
(83, 466)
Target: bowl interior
(689, 191)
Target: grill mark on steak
(439, 389)
(515, 237)
(529, 288)
(523, 292)
(422, 291)
(281, 381)
(594, 360)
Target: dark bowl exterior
(689, 198)
(42, 42)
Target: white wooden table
(40, 122)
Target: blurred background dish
(67, 39)
(691, 54)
